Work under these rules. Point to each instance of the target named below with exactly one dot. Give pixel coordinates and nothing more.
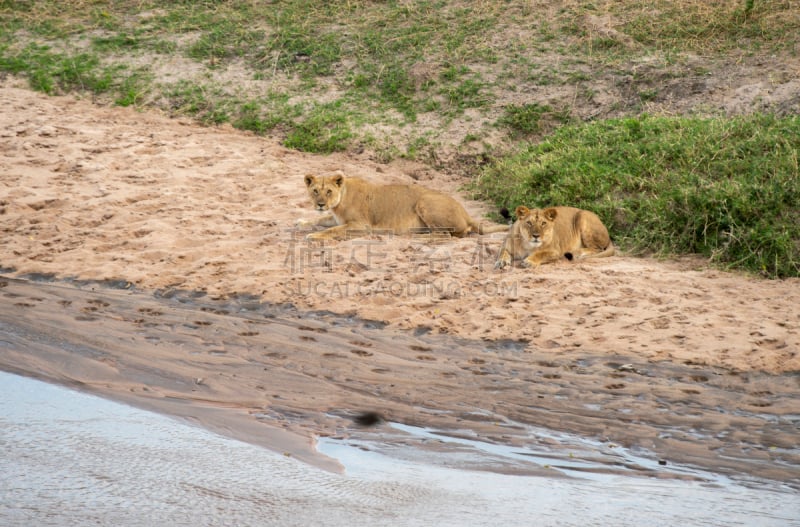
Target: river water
(68, 458)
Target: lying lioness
(542, 236)
(357, 205)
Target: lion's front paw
(502, 263)
(529, 264)
(504, 259)
(302, 222)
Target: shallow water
(68, 458)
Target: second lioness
(541, 236)
(358, 205)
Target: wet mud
(278, 376)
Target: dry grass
(443, 80)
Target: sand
(150, 204)
(112, 194)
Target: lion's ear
(310, 179)
(521, 211)
(551, 213)
(338, 179)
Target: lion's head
(536, 225)
(325, 191)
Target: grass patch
(531, 119)
(53, 72)
(325, 128)
(415, 57)
(267, 114)
(713, 26)
(728, 189)
(197, 100)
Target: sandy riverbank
(162, 208)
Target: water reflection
(67, 458)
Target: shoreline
(71, 458)
(293, 377)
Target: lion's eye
(316, 192)
(329, 193)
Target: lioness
(355, 204)
(541, 236)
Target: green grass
(728, 189)
(52, 72)
(531, 119)
(324, 128)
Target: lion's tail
(487, 228)
(608, 251)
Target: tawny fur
(541, 236)
(356, 206)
